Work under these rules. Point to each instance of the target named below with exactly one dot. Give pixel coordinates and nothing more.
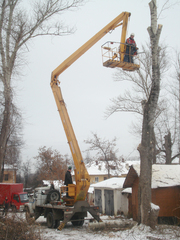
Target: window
(24, 198)
(105, 178)
(96, 179)
(16, 197)
(5, 177)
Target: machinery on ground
(74, 208)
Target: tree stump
(154, 215)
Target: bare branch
(166, 6)
(105, 149)
(17, 27)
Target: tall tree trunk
(154, 146)
(5, 127)
(146, 148)
(168, 148)
(179, 116)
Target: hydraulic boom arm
(81, 174)
(121, 19)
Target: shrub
(13, 227)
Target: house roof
(9, 167)
(95, 170)
(100, 168)
(163, 175)
(113, 183)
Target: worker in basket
(131, 49)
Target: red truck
(14, 192)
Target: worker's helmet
(132, 34)
(69, 168)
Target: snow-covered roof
(9, 167)
(127, 190)
(113, 183)
(163, 175)
(100, 168)
(95, 170)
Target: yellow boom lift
(78, 191)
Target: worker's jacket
(130, 41)
(68, 178)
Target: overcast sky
(87, 86)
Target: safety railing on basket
(116, 51)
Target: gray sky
(86, 85)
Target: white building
(108, 196)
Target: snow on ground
(141, 232)
(69, 232)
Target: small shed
(165, 189)
(108, 197)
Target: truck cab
(18, 200)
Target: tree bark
(168, 146)
(146, 148)
(5, 125)
(178, 76)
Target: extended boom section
(120, 20)
(81, 174)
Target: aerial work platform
(124, 65)
(113, 57)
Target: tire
(50, 220)
(78, 223)
(53, 195)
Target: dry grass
(14, 227)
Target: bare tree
(105, 151)
(178, 78)
(167, 133)
(177, 66)
(14, 140)
(140, 81)
(134, 99)
(26, 169)
(175, 91)
(144, 100)
(168, 125)
(17, 27)
(146, 147)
